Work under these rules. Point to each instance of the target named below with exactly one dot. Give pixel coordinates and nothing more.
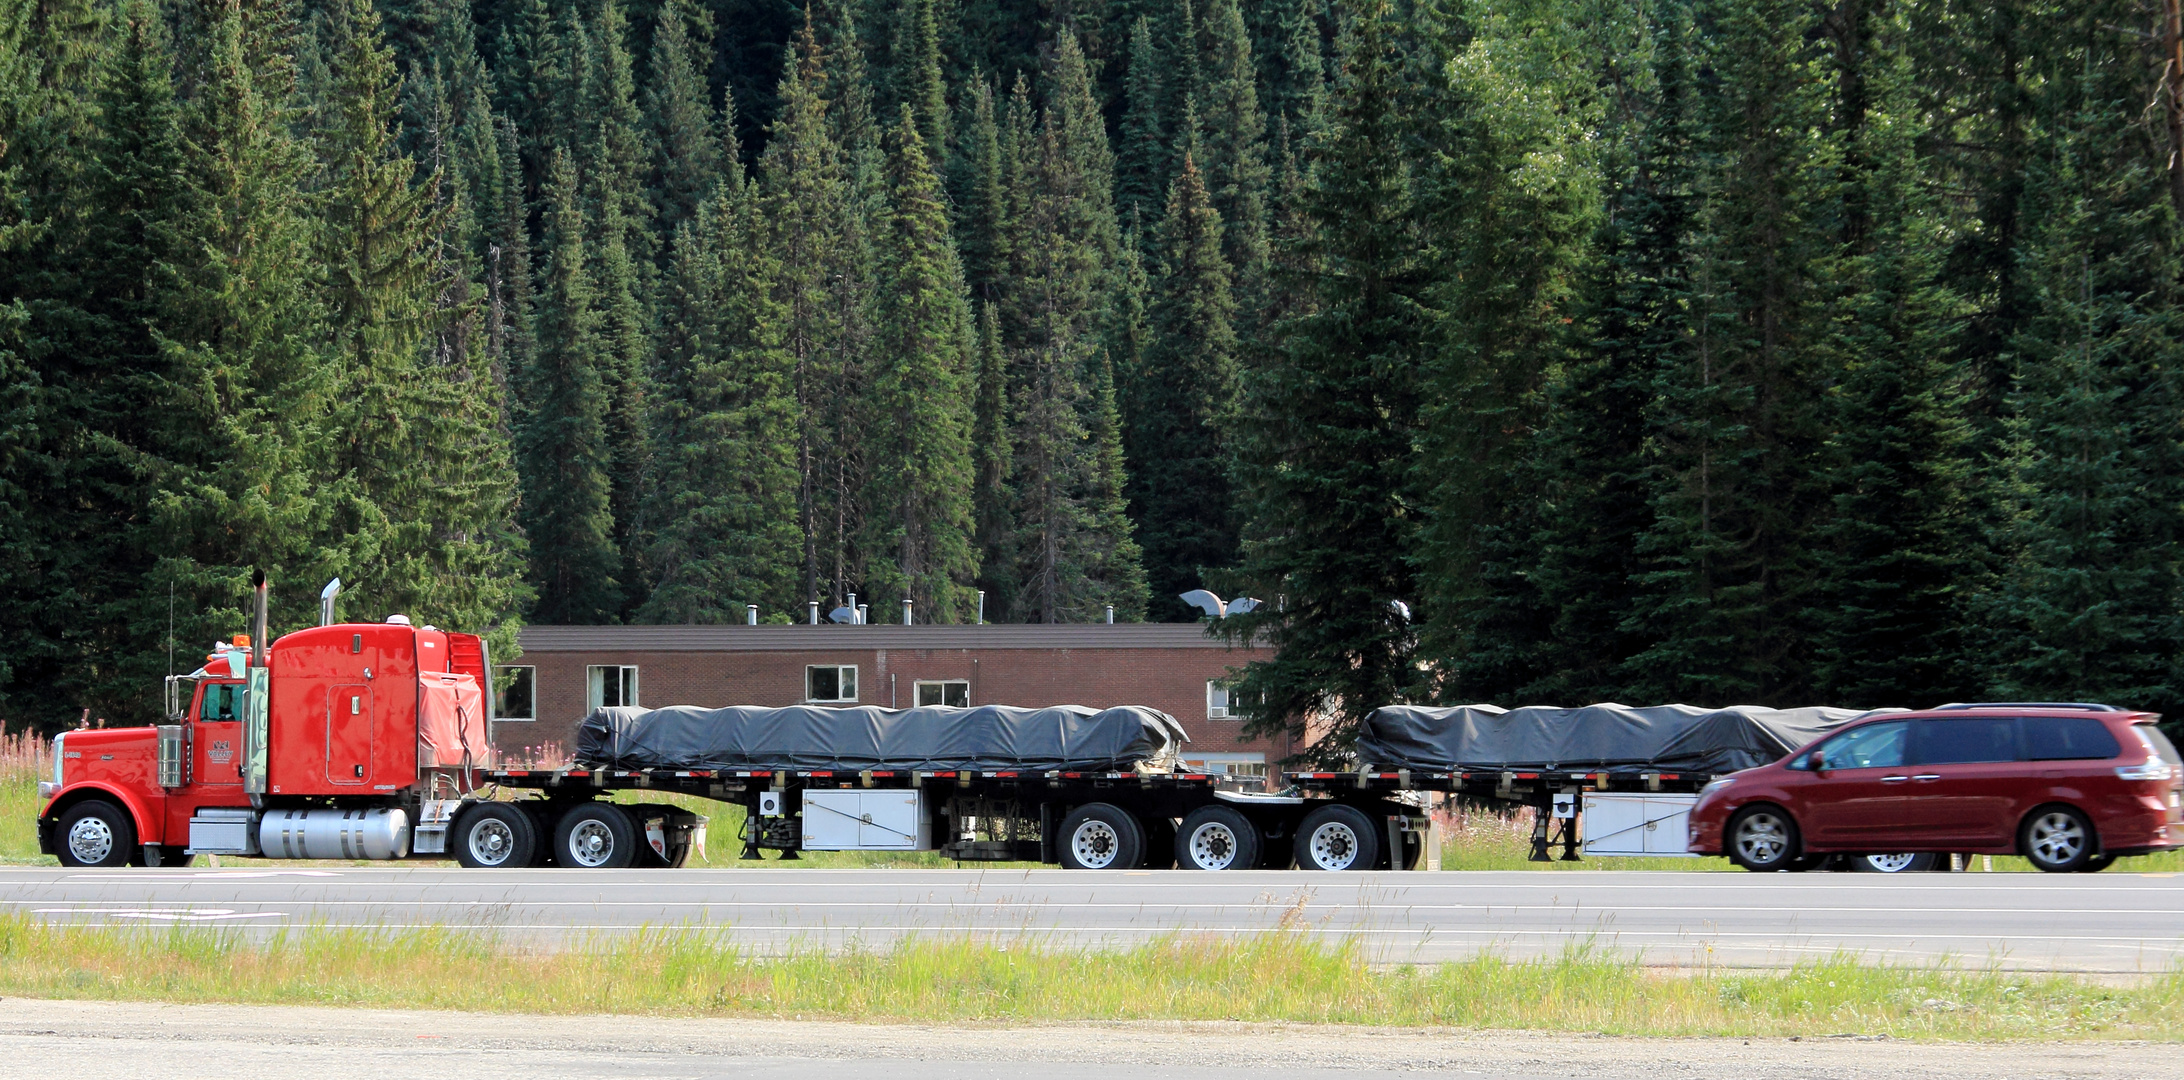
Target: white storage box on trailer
(1629, 824)
(860, 820)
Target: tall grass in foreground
(1274, 976)
(25, 759)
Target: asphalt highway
(2082, 922)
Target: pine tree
(1326, 458)
(993, 515)
(1141, 166)
(561, 434)
(1062, 246)
(727, 424)
(378, 300)
(806, 202)
(1234, 138)
(2089, 605)
(246, 393)
(1513, 198)
(924, 83)
(1186, 403)
(1738, 416)
(1900, 555)
(686, 139)
(918, 496)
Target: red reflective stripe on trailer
(882, 772)
(577, 772)
(949, 775)
(1005, 775)
(821, 773)
(1388, 776)
(759, 772)
(701, 772)
(1527, 776)
(1072, 776)
(1671, 776)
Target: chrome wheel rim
(1890, 864)
(1334, 846)
(91, 840)
(1762, 839)
(1213, 846)
(2057, 838)
(491, 841)
(1095, 844)
(591, 843)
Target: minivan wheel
(2097, 863)
(2057, 839)
(1899, 863)
(1763, 839)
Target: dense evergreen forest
(1527, 351)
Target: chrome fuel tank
(380, 833)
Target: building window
(830, 682)
(512, 696)
(1225, 764)
(1217, 695)
(611, 686)
(954, 693)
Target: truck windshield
(222, 702)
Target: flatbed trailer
(1346, 820)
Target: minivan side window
(2068, 738)
(1961, 742)
(1874, 746)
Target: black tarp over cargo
(930, 738)
(1595, 738)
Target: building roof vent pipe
(814, 606)
(906, 612)
(750, 614)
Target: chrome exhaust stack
(326, 602)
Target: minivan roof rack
(2084, 705)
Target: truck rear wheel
(1217, 838)
(95, 832)
(491, 835)
(595, 836)
(1101, 836)
(1337, 837)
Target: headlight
(47, 789)
(1717, 784)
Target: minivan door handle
(1894, 779)
(1927, 776)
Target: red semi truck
(371, 741)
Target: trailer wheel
(595, 836)
(1101, 836)
(1337, 837)
(1217, 837)
(492, 835)
(95, 833)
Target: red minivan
(2069, 787)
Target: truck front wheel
(95, 833)
(595, 836)
(491, 835)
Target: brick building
(566, 671)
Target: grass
(1277, 976)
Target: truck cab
(362, 727)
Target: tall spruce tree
(1901, 553)
(726, 424)
(1513, 200)
(1326, 443)
(918, 499)
(1185, 400)
(686, 137)
(1738, 416)
(246, 392)
(562, 433)
(1234, 141)
(2089, 606)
